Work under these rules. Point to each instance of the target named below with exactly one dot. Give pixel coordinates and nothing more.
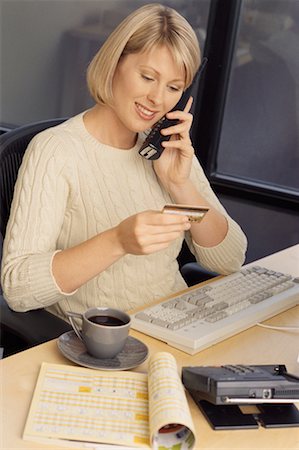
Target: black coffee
(109, 321)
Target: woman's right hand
(149, 231)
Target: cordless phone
(151, 147)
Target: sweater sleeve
(229, 255)
(40, 198)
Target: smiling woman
(145, 87)
(108, 242)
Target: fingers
(181, 130)
(185, 147)
(188, 105)
(163, 218)
(146, 242)
(150, 243)
(170, 231)
(161, 225)
(150, 231)
(182, 127)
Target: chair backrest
(12, 148)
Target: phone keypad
(151, 148)
(155, 129)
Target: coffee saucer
(132, 355)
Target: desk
(254, 346)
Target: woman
(86, 227)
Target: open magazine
(81, 407)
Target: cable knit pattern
(70, 187)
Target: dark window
(250, 110)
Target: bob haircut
(149, 26)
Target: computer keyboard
(202, 316)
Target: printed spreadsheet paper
(80, 407)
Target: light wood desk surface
(253, 346)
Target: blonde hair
(147, 27)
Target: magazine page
(81, 407)
(77, 405)
(171, 425)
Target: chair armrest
(33, 327)
(193, 273)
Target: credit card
(194, 213)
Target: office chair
(21, 330)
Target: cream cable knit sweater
(71, 187)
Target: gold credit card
(194, 213)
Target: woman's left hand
(174, 165)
